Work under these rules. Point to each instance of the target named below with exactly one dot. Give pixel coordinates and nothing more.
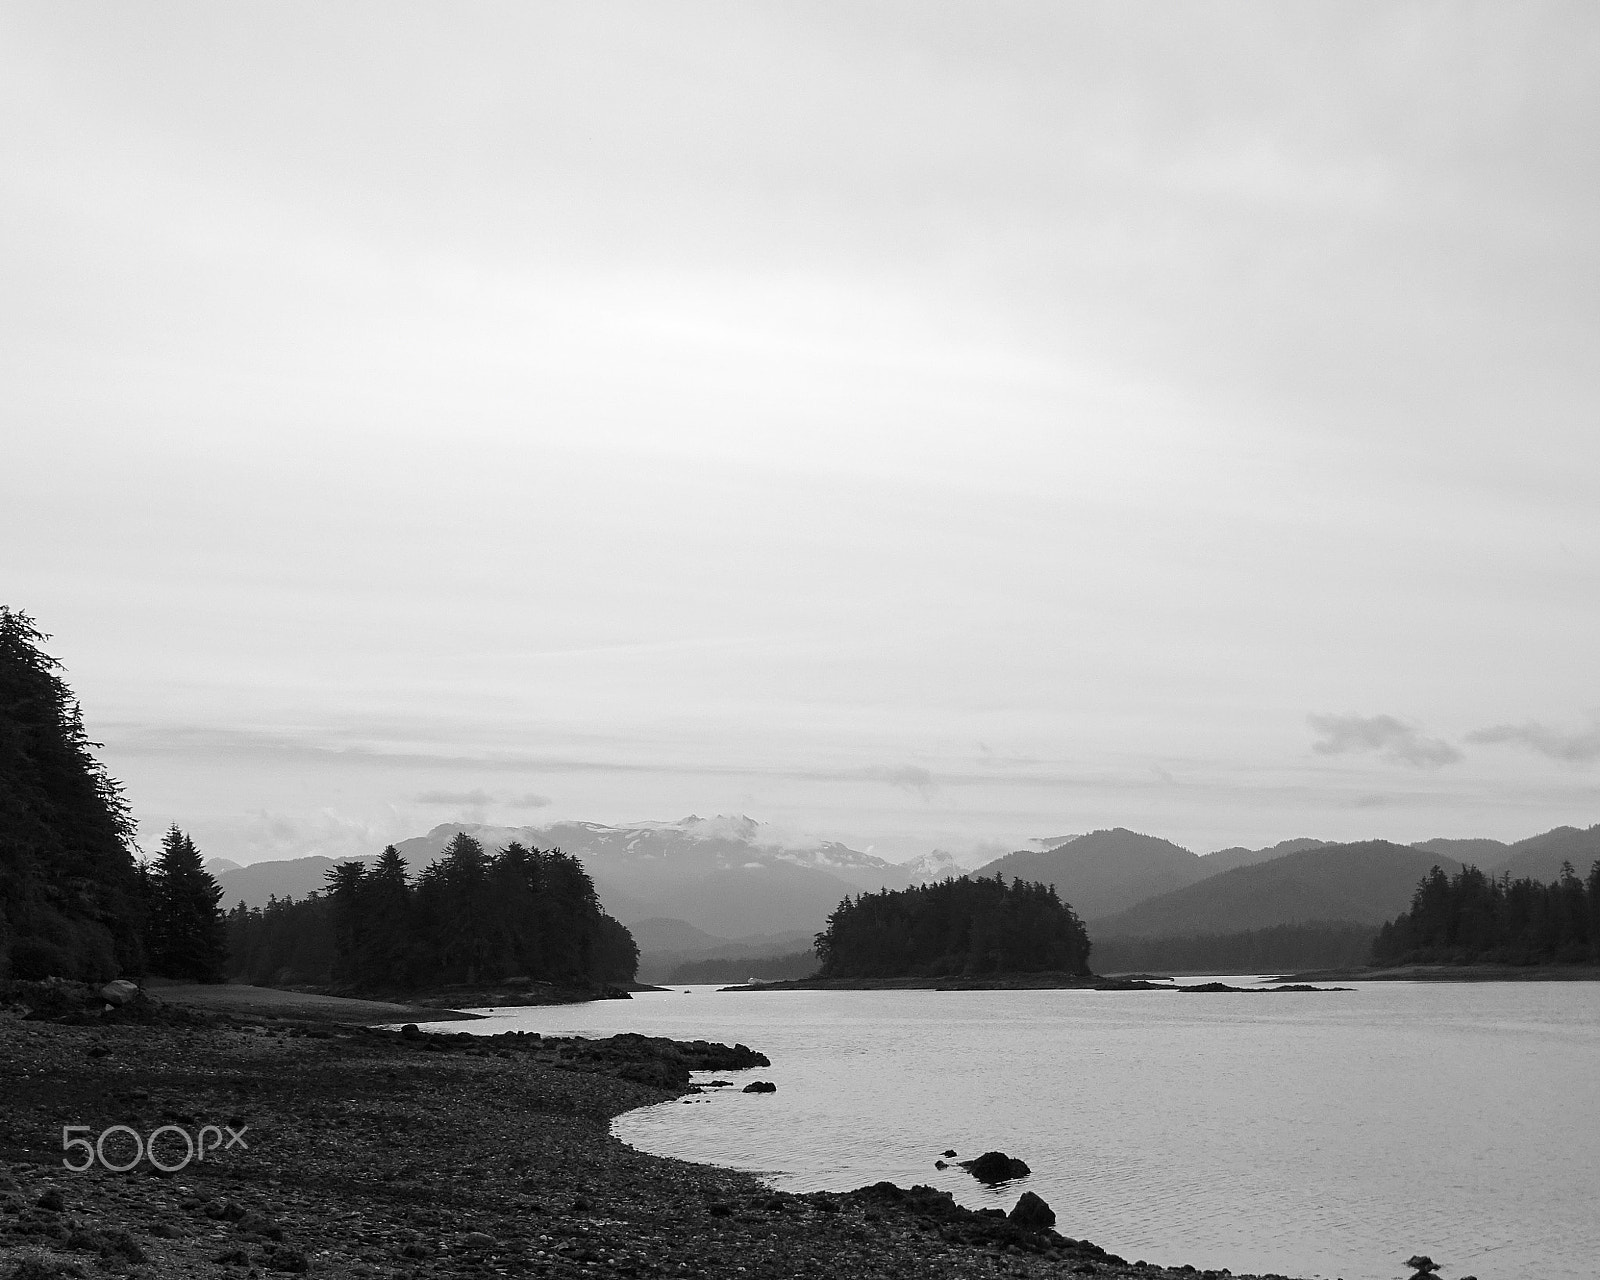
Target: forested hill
(70, 894)
(1365, 883)
(960, 926)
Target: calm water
(1315, 1135)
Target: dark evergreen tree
(345, 884)
(69, 891)
(187, 933)
(388, 948)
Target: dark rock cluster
(996, 1166)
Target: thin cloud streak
(1391, 739)
(1571, 748)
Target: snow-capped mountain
(928, 868)
(728, 875)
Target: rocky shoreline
(1454, 973)
(1018, 982)
(370, 1152)
(1045, 981)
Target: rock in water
(1032, 1212)
(1422, 1262)
(761, 1086)
(996, 1166)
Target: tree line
(732, 969)
(1475, 917)
(956, 926)
(470, 918)
(1335, 944)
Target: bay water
(1312, 1134)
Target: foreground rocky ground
(366, 1152)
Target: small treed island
(970, 927)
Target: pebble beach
(364, 1151)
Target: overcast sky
(915, 424)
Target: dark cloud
(1391, 739)
(476, 799)
(532, 800)
(1571, 748)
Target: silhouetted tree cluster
(470, 918)
(70, 902)
(1474, 917)
(284, 943)
(729, 969)
(1276, 949)
(957, 926)
(185, 936)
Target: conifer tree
(69, 891)
(386, 956)
(187, 935)
(345, 884)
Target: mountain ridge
(1366, 882)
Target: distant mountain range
(666, 945)
(1364, 883)
(1107, 871)
(729, 877)
(708, 888)
(290, 878)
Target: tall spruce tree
(70, 904)
(187, 935)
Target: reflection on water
(1329, 1135)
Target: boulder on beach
(996, 1166)
(1032, 1212)
(119, 992)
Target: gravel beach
(366, 1152)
